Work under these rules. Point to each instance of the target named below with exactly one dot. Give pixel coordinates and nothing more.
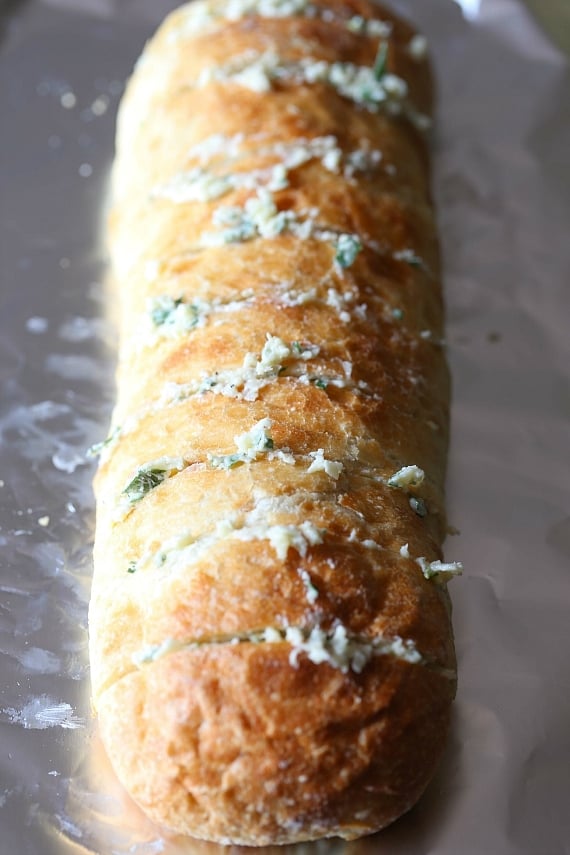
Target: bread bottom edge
(234, 745)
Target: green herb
(296, 347)
(98, 447)
(410, 257)
(267, 445)
(381, 61)
(132, 568)
(166, 311)
(144, 481)
(240, 225)
(238, 234)
(208, 383)
(319, 382)
(347, 249)
(163, 309)
(414, 262)
(226, 461)
(418, 506)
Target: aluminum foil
(502, 186)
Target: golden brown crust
(270, 663)
(236, 740)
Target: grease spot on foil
(68, 100)
(43, 712)
(67, 459)
(81, 329)
(74, 366)
(37, 325)
(100, 105)
(152, 847)
(40, 661)
(48, 430)
(68, 827)
(470, 8)
(43, 411)
(35, 660)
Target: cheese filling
(249, 446)
(203, 185)
(204, 16)
(338, 647)
(440, 570)
(260, 217)
(364, 85)
(171, 317)
(333, 468)
(406, 477)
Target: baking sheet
(503, 186)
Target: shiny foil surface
(502, 182)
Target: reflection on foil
(49, 429)
(470, 8)
(37, 325)
(40, 713)
(34, 660)
(500, 160)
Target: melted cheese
(284, 537)
(320, 463)
(337, 648)
(439, 569)
(358, 83)
(345, 652)
(406, 477)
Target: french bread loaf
(271, 652)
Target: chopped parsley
(381, 61)
(226, 461)
(132, 568)
(169, 313)
(410, 257)
(98, 447)
(163, 308)
(347, 248)
(418, 506)
(150, 475)
(319, 382)
(144, 481)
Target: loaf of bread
(271, 652)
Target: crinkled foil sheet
(502, 173)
